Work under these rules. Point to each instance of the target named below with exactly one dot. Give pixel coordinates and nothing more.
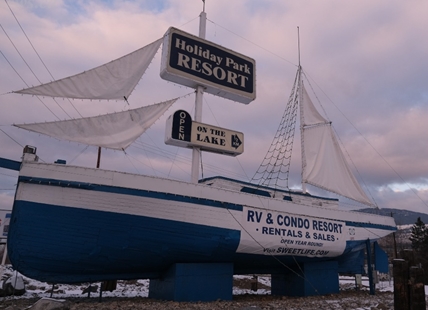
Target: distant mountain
(402, 217)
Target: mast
(99, 157)
(299, 98)
(196, 153)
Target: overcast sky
(367, 61)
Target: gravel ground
(132, 295)
(343, 300)
(349, 299)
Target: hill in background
(401, 217)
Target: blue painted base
(194, 282)
(309, 279)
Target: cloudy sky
(367, 61)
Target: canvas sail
(114, 80)
(324, 164)
(114, 131)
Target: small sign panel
(216, 139)
(191, 61)
(182, 131)
(178, 129)
(4, 223)
(181, 126)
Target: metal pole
(395, 242)
(3, 261)
(99, 157)
(299, 94)
(196, 154)
(369, 267)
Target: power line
(7, 175)
(26, 63)
(19, 74)
(19, 53)
(255, 44)
(12, 138)
(10, 64)
(38, 55)
(28, 39)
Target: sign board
(182, 131)
(281, 233)
(191, 61)
(5, 216)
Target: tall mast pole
(299, 98)
(298, 44)
(99, 157)
(196, 154)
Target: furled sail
(114, 80)
(114, 130)
(324, 164)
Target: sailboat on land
(75, 224)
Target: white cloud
(368, 57)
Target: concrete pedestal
(194, 282)
(317, 279)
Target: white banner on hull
(279, 233)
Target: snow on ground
(135, 292)
(140, 288)
(129, 294)
(130, 288)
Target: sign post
(207, 67)
(4, 228)
(196, 153)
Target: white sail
(324, 165)
(114, 80)
(114, 130)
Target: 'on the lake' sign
(182, 131)
(191, 61)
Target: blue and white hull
(73, 224)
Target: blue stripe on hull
(68, 245)
(60, 244)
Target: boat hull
(72, 224)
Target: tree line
(419, 240)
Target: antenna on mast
(299, 94)
(196, 152)
(298, 44)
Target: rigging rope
(275, 167)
